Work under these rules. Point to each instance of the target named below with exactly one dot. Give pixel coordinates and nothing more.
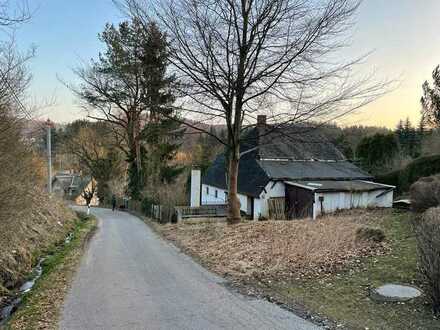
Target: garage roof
(339, 186)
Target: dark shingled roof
(312, 170)
(337, 186)
(290, 142)
(251, 178)
(287, 153)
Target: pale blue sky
(65, 34)
(404, 35)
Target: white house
(296, 165)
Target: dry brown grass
(278, 248)
(27, 233)
(42, 306)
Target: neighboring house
(65, 184)
(293, 165)
(71, 186)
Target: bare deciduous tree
(91, 145)
(13, 14)
(237, 59)
(89, 192)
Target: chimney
(196, 187)
(261, 120)
(261, 129)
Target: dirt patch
(278, 249)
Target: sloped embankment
(28, 232)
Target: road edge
(249, 289)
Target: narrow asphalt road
(129, 278)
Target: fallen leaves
(277, 249)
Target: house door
(299, 202)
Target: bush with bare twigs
(428, 241)
(425, 193)
(370, 234)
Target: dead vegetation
(27, 234)
(30, 221)
(428, 242)
(425, 193)
(277, 249)
(42, 306)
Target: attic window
(216, 193)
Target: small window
(216, 193)
(226, 196)
(207, 190)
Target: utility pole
(49, 156)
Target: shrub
(370, 234)
(428, 243)
(425, 193)
(146, 205)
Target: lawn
(319, 266)
(344, 296)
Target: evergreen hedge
(404, 178)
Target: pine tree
(376, 152)
(400, 131)
(129, 87)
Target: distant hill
(192, 135)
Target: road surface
(129, 278)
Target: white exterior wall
(272, 190)
(385, 200)
(334, 201)
(257, 208)
(208, 198)
(196, 181)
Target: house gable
(251, 177)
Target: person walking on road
(113, 202)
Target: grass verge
(344, 296)
(40, 308)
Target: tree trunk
(138, 149)
(234, 201)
